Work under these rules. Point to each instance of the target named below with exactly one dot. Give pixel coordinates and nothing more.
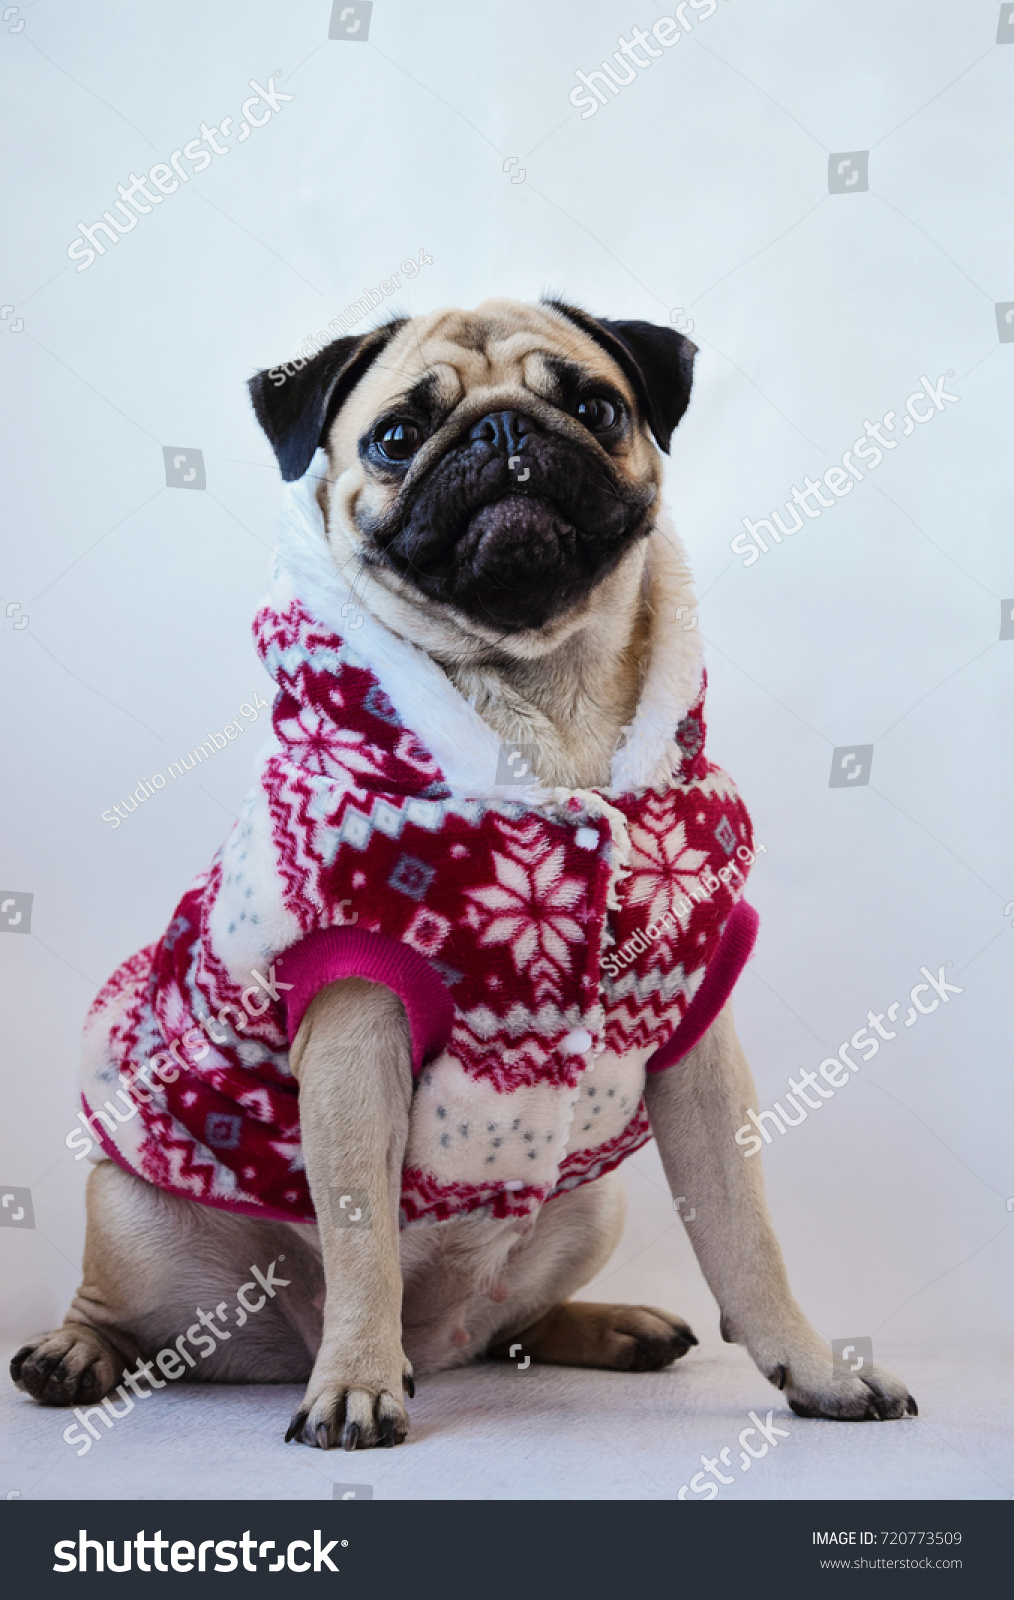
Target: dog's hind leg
(584, 1333)
(159, 1273)
(572, 1240)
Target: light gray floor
(494, 1432)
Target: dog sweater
(550, 946)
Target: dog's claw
(18, 1360)
(911, 1409)
(295, 1427)
(349, 1419)
(408, 1384)
(780, 1376)
(872, 1413)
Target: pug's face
(493, 465)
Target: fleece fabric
(550, 946)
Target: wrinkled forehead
(502, 346)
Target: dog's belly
(455, 1288)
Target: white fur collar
(465, 747)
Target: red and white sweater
(550, 946)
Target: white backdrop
(700, 190)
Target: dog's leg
(352, 1060)
(152, 1261)
(695, 1108)
(86, 1358)
(585, 1333)
(572, 1240)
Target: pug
(393, 1125)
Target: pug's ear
(296, 407)
(658, 361)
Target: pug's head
(492, 466)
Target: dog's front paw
(356, 1412)
(814, 1389)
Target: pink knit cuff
(730, 958)
(331, 953)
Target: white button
(514, 1183)
(586, 838)
(576, 1043)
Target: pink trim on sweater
(730, 958)
(331, 953)
(328, 954)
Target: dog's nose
(506, 431)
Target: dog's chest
(567, 716)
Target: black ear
(296, 407)
(658, 361)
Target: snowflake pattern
(532, 910)
(513, 907)
(664, 868)
(320, 748)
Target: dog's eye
(400, 440)
(597, 413)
